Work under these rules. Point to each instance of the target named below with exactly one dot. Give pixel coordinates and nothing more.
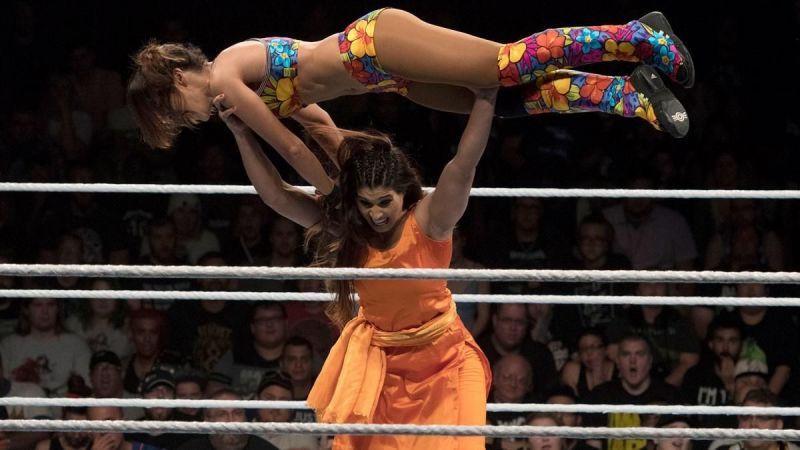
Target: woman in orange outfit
(405, 357)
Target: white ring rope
(492, 407)
(114, 188)
(347, 273)
(459, 298)
(372, 429)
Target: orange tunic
(402, 359)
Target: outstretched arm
(439, 212)
(284, 198)
(250, 109)
(319, 124)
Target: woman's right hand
(228, 115)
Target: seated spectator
(245, 365)
(564, 395)
(113, 440)
(102, 322)
(762, 398)
(158, 384)
(226, 441)
(675, 349)
(278, 387)
(105, 374)
(42, 352)
(544, 442)
(512, 382)
(207, 329)
(673, 421)
(189, 385)
(711, 381)
(68, 440)
(297, 363)
(758, 324)
(510, 335)
(149, 336)
(592, 252)
(635, 386)
(249, 245)
(593, 366)
(193, 238)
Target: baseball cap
(155, 378)
(752, 360)
(104, 356)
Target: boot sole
(672, 116)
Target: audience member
(42, 352)
(278, 387)
(226, 441)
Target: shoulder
(25, 389)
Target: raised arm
(284, 198)
(319, 124)
(439, 212)
(250, 109)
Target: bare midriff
(320, 73)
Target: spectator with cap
(194, 239)
(226, 441)
(105, 374)
(158, 384)
(189, 385)
(279, 387)
(672, 421)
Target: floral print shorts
(357, 48)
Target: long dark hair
(367, 159)
(152, 89)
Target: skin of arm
(685, 362)
(439, 212)
(779, 379)
(327, 135)
(251, 110)
(484, 312)
(284, 198)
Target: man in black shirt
(635, 386)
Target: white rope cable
(777, 194)
(372, 429)
(492, 407)
(459, 298)
(347, 273)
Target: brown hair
(367, 159)
(152, 88)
